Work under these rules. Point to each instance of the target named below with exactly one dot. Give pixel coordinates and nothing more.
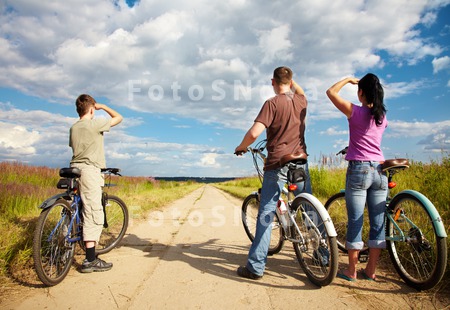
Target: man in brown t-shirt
(283, 117)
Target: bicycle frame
(436, 219)
(75, 219)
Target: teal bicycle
(415, 234)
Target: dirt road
(185, 256)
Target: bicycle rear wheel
(52, 252)
(316, 251)
(250, 208)
(337, 208)
(420, 260)
(115, 226)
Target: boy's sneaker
(245, 273)
(96, 265)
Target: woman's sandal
(366, 277)
(341, 275)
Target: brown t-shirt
(284, 118)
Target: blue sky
(189, 77)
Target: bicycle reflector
(397, 214)
(391, 185)
(292, 187)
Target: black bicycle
(60, 226)
(415, 234)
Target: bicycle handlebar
(111, 170)
(251, 150)
(343, 151)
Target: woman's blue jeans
(365, 183)
(273, 182)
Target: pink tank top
(365, 136)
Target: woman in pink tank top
(365, 182)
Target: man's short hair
(282, 75)
(84, 103)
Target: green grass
(24, 188)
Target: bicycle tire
(317, 252)
(52, 253)
(421, 261)
(116, 212)
(250, 208)
(337, 209)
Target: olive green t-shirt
(284, 118)
(86, 141)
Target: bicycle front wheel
(115, 226)
(250, 208)
(316, 251)
(52, 252)
(417, 253)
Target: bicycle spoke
(315, 250)
(250, 208)
(117, 219)
(52, 252)
(417, 253)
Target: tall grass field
(23, 188)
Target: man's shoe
(245, 273)
(96, 265)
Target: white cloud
(209, 160)
(47, 50)
(437, 142)
(439, 64)
(399, 89)
(275, 44)
(403, 129)
(429, 19)
(17, 141)
(194, 44)
(333, 131)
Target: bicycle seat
(71, 172)
(300, 159)
(398, 163)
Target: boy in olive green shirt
(86, 141)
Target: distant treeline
(194, 179)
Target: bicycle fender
(322, 211)
(49, 202)
(435, 217)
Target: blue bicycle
(60, 227)
(415, 234)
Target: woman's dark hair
(373, 91)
